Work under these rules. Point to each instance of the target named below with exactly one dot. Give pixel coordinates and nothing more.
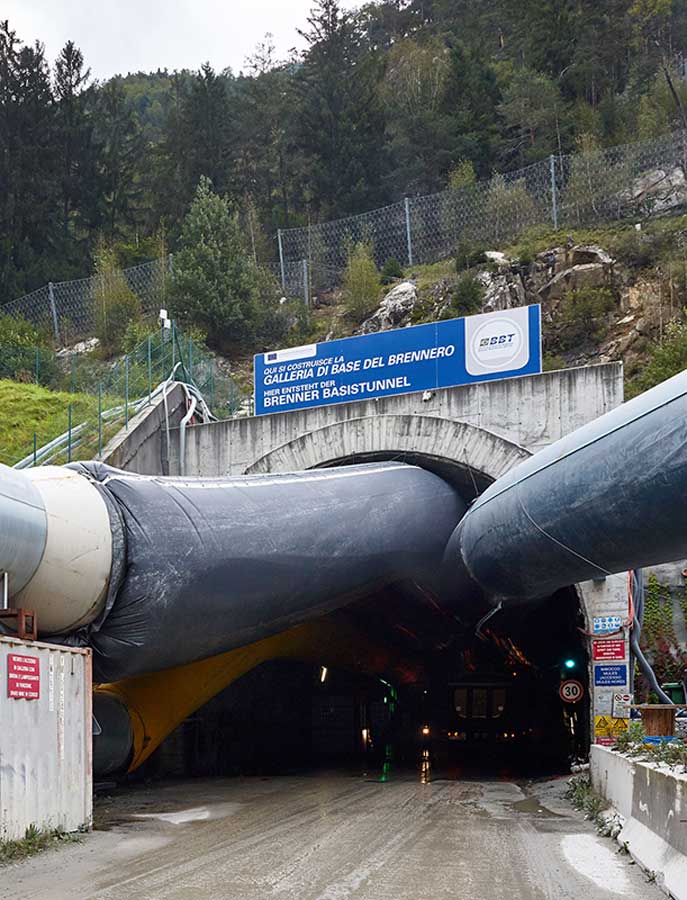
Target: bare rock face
(503, 289)
(585, 254)
(656, 191)
(587, 275)
(394, 310)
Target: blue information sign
(610, 676)
(420, 358)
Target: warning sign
(605, 741)
(609, 727)
(621, 705)
(608, 650)
(23, 677)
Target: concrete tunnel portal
(340, 570)
(369, 678)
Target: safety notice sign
(606, 624)
(621, 705)
(608, 649)
(23, 677)
(610, 676)
(609, 727)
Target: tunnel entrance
(472, 688)
(472, 698)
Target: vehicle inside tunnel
(464, 698)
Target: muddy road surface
(334, 836)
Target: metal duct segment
(23, 528)
(214, 564)
(607, 498)
(68, 585)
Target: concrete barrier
(652, 802)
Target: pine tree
(341, 121)
(215, 282)
(74, 144)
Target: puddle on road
(533, 806)
(194, 814)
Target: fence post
(35, 448)
(38, 366)
(554, 199)
(126, 392)
(150, 372)
(69, 436)
(100, 419)
(306, 284)
(53, 311)
(409, 239)
(281, 260)
(190, 358)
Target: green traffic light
(570, 664)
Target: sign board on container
(45, 738)
(401, 361)
(621, 706)
(610, 676)
(571, 691)
(609, 649)
(23, 677)
(606, 624)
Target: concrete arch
(470, 456)
(465, 453)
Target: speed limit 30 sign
(571, 691)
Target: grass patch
(29, 408)
(582, 796)
(427, 276)
(34, 841)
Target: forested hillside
(399, 98)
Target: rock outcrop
(656, 191)
(394, 310)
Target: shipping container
(45, 738)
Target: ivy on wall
(659, 641)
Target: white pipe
(68, 586)
(182, 435)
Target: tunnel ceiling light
(323, 674)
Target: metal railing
(103, 395)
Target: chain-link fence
(634, 180)
(564, 191)
(68, 310)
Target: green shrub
(582, 317)
(391, 270)
(116, 305)
(667, 359)
(468, 296)
(361, 281)
(19, 331)
(469, 253)
(25, 353)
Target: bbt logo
(497, 339)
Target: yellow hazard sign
(607, 726)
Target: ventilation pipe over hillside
(607, 498)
